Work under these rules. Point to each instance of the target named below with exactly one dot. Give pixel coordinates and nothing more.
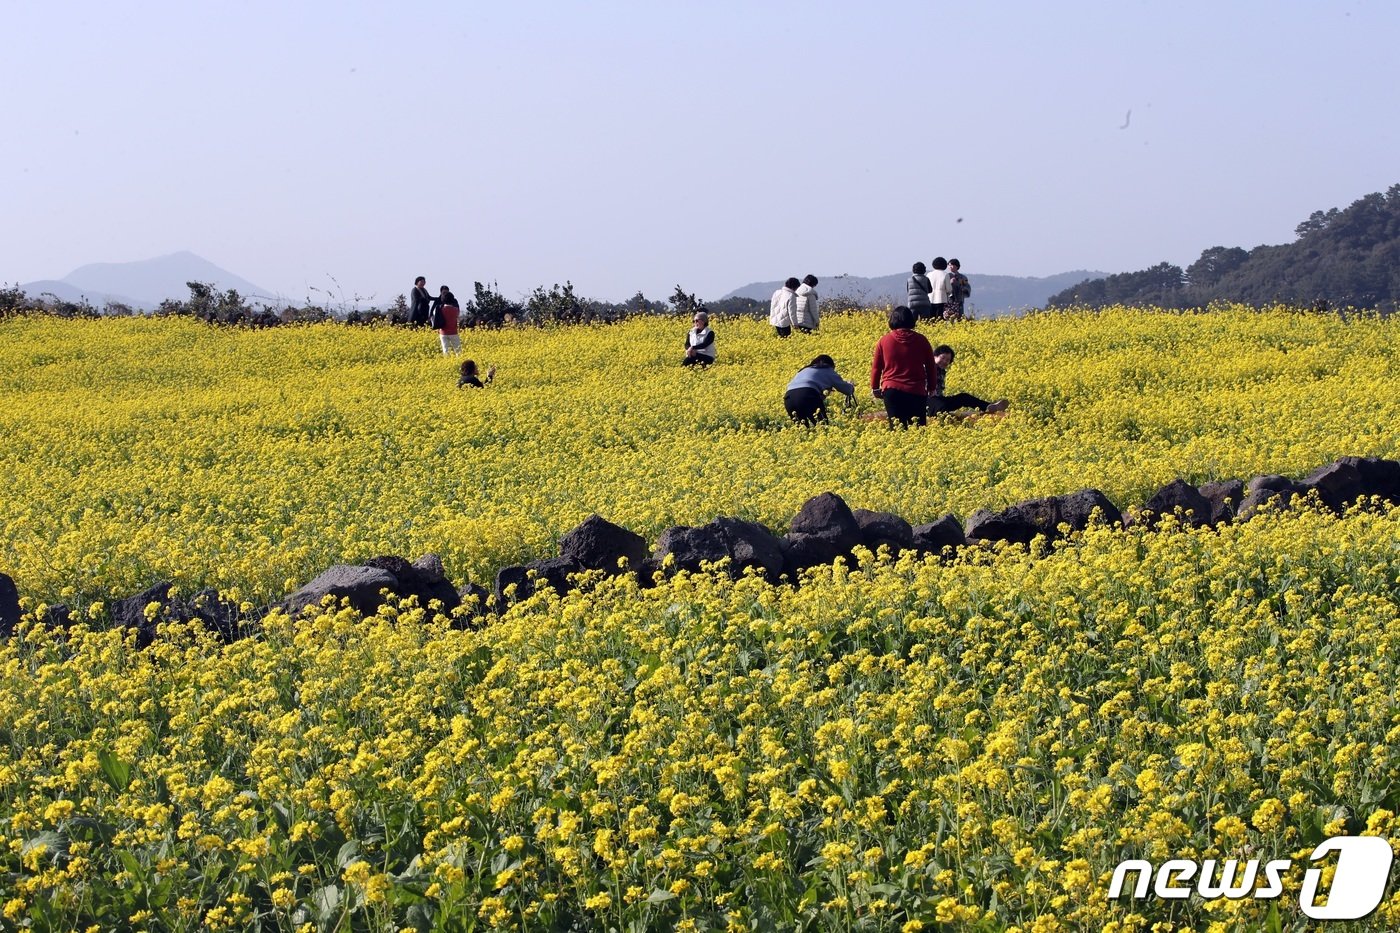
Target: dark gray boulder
(425, 578)
(827, 514)
(1018, 524)
(749, 544)
(1268, 489)
(823, 530)
(552, 572)
(1022, 522)
(933, 537)
(1178, 498)
(598, 544)
(360, 585)
(1077, 509)
(59, 616)
(430, 569)
(217, 614)
(475, 600)
(1338, 484)
(801, 551)
(9, 606)
(1348, 479)
(1379, 477)
(877, 528)
(690, 547)
(1224, 496)
(130, 612)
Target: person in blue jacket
(805, 399)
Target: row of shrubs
(488, 307)
(824, 530)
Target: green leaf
(326, 901)
(117, 771)
(347, 854)
(660, 896)
(54, 843)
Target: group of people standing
(795, 305)
(940, 295)
(442, 314)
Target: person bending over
(938, 403)
(901, 374)
(805, 398)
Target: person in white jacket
(809, 315)
(782, 309)
(939, 278)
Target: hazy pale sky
(638, 145)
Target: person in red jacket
(902, 372)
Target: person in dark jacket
(901, 374)
(699, 342)
(805, 398)
(959, 290)
(919, 288)
(939, 403)
(419, 303)
(470, 376)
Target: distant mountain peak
(144, 283)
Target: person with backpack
(959, 290)
(919, 288)
(782, 308)
(807, 313)
(445, 315)
(805, 397)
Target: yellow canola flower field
(142, 449)
(907, 745)
(897, 745)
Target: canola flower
(899, 745)
(902, 744)
(143, 449)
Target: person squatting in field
(699, 342)
(805, 398)
(469, 376)
(782, 308)
(445, 315)
(938, 403)
(901, 373)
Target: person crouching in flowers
(470, 377)
(446, 313)
(805, 398)
(699, 342)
